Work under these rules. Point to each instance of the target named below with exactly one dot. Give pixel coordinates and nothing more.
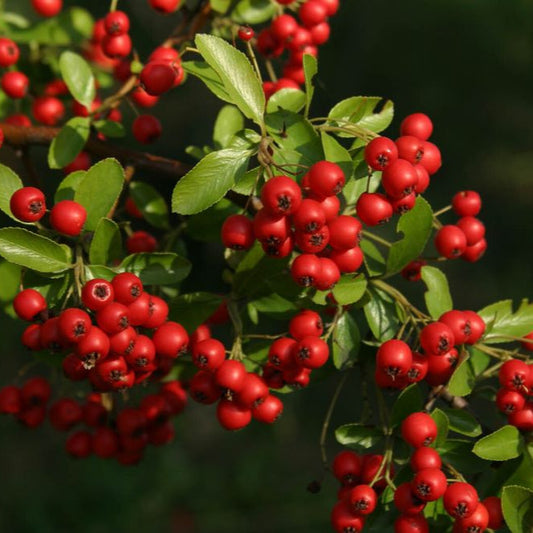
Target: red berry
(402, 205)
(203, 388)
(9, 52)
(74, 324)
(347, 260)
(237, 232)
(312, 243)
(475, 252)
(10, 400)
(104, 442)
(68, 217)
(268, 45)
(146, 129)
(28, 204)
(141, 242)
(97, 293)
(419, 368)
(460, 500)
(231, 375)
(280, 353)
(19, 119)
(477, 522)
(93, 347)
(394, 358)
(347, 467)
(245, 33)
(419, 429)
(306, 269)
(423, 179)
(418, 124)
(429, 484)
(477, 326)
(81, 162)
(413, 271)
(48, 110)
(157, 77)
(15, 84)
(170, 340)
(65, 413)
(373, 208)
(345, 232)
(112, 371)
(165, 6)
(363, 499)
(28, 304)
(320, 33)
(127, 287)
(142, 98)
(425, 457)
(380, 153)
(410, 148)
(326, 179)
(458, 322)
(116, 46)
(411, 524)
(157, 312)
(473, 229)
(312, 12)
(269, 410)
(450, 241)
(343, 519)
(493, 505)
(142, 355)
(232, 415)
(431, 158)
(47, 8)
(510, 401)
(309, 217)
(399, 179)
(208, 354)
(79, 445)
(283, 27)
(515, 375)
(281, 196)
(441, 367)
(112, 318)
(523, 419)
(140, 310)
(50, 336)
(306, 323)
(116, 23)
(35, 392)
(31, 337)
(253, 392)
(270, 229)
(329, 274)
(437, 338)
(405, 501)
(311, 352)
(466, 203)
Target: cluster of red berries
(515, 397)
(329, 243)
(241, 395)
(28, 204)
(406, 165)
(14, 83)
(466, 239)
(114, 353)
(285, 33)
(362, 480)
(397, 366)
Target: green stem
(113, 6)
(377, 238)
(401, 299)
(442, 211)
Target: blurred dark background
(469, 65)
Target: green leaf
(151, 204)
(360, 110)
(374, 260)
(69, 142)
(106, 244)
(78, 76)
(99, 271)
(438, 298)
(380, 313)
(191, 310)
(501, 320)
(229, 121)
(202, 71)
(30, 250)
(71, 26)
(253, 11)
(463, 422)
(336, 153)
(236, 73)
(479, 361)
(9, 183)
(209, 180)
(289, 99)
(443, 425)
(358, 437)
(53, 289)
(517, 506)
(346, 340)
(463, 379)
(349, 290)
(458, 453)
(503, 444)
(99, 190)
(10, 276)
(274, 305)
(110, 128)
(409, 401)
(205, 226)
(220, 6)
(416, 226)
(245, 184)
(157, 268)
(67, 188)
(310, 65)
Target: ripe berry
(515, 375)
(157, 77)
(405, 501)
(127, 287)
(373, 208)
(15, 84)
(347, 467)
(413, 271)
(116, 23)
(112, 371)
(458, 322)
(394, 358)
(343, 519)
(28, 303)
(380, 153)
(475, 252)
(117, 46)
(142, 98)
(310, 216)
(419, 429)
(347, 260)
(312, 243)
(329, 274)
(441, 367)
(237, 232)
(473, 229)
(231, 375)
(477, 326)
(399, 179)
(411, 524)
(437, 338)
(402, 205)
(141, 242)
(423, 179)
(306, 323)
(523, 419)
(31, 337)
(253, 392)
(269, 410)
(113, 318)
(344, 232)
(50, 337)
(429, 484)
(280, 353)
(450, 241)
(233, 416)
(311, 352)
(283, 27)
(97, 293)
(19, 119)
(245, 33)
(466, 203)
(271, 229)
(28, 204)
(48, 110)
(47, 8)
(81, 162)
(35, 392)
(104, 442)
(326, 179)
(157, 312)
(281, 196)
(477, 522)
(9, 52)
(510, 401)
(170, 340)
(78, 444)
(203, 388)
(93, 347)
(460, 500)
(330, 205)
(425, 457)
(279, 250)
(419, 368)
(165, 6)
(142, 355)
(146, 129)
(74, 324)
(312, 12)
(431, 158)
(208, 354)
(68, 217)
(493, 505)
(363, 499)
(305, 269)
(320, 33)
(418, 124)
(267, 45)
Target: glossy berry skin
(117, 46)
(28, 204)
(515, 375)
(165, 6)
(97, 293)
(344, 232)
(157, 312)
(460, 500)
(406, 502)
(253, 392)
(477, 522)
(310, 216)
(523, 419)
(394, 358)
(93, 347)
(410, 148)
(348, 260)
(419, 429)
(48, 110)
(170, 340)
(306, 323)
(320, 33)
(425, 457)
(113, 318)
(312, 243)
(208, 354)
(269, 410)
(423, 179)
(477, 326)
(237, 232)
(245, 33)
(9, 52)
(329, 275)
(15, 84)
(473, 229)
(305, 269)
(431, 158)
(326, 179)
(203, 388)
(81, 162)
(47, 8)
(510, 401)
(28, 303)
(74, 324)
(380, 153)
(437, 338)
(312, 12)
(418, 125)
(466, 203)
(233, 416)
(404, 204)
(450, 241)
(141, 241)
(429, 484)
(116, 23)
(281, 196)
(270, 229)
(363, 499)
(493, 505)
(311, 352)
(283, 27)
(280, 353)
(146, 129)
(127, 287)
(31, 337)
(68, 217)
(231, 375)
(373, 208)
(344, 520)
(157, 77)
(346, 467)
(411, 524)
(399, 179)
(475, 252)
(419, 368)
(458, 322)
